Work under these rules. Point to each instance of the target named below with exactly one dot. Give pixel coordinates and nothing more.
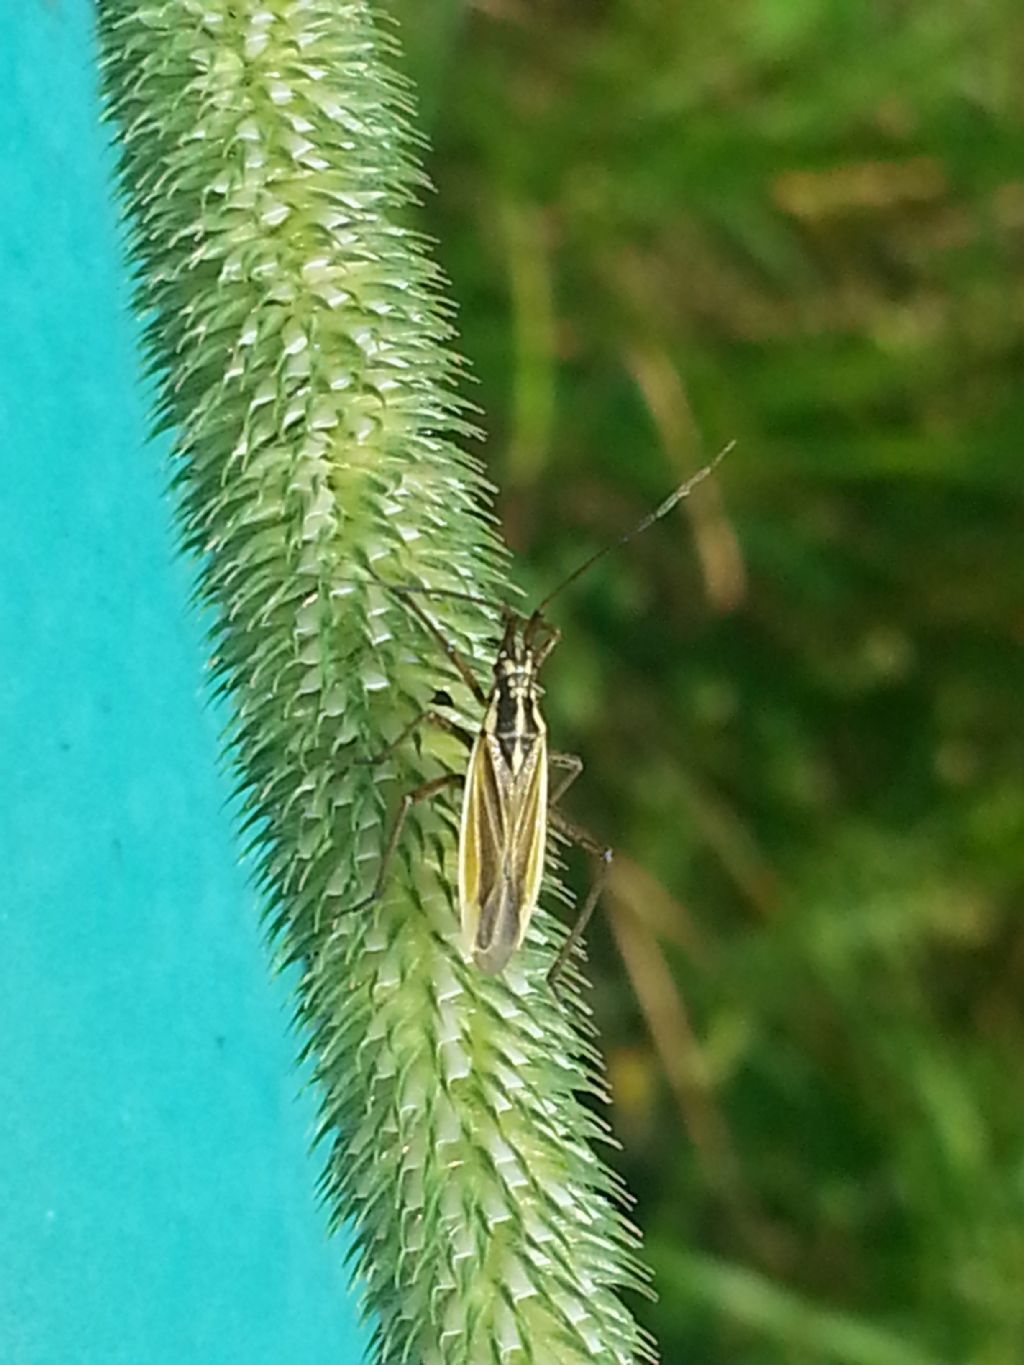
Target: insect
(507, 802)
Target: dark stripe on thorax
(515, 716)
(516, 726)
(507, 713)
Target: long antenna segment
(662, 510)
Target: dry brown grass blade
(682, 1061)
(735, 847)
(645, 898)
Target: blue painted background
(157, 1199)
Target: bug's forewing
(501, 851)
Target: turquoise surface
(158, 1196)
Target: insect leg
(430, 716)
(410, 799)
(604, 861)
(458, 662)
(573, 765)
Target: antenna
(683, 491)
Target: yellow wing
(501, 849)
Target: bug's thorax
(513, 720)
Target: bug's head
(525, 644)
(512, 650)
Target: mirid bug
(507, 805)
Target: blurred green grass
(798, 223)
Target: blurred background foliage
(800, 224)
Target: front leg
(429, 716)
